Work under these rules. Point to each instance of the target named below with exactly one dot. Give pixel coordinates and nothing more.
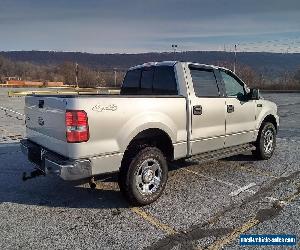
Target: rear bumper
(52, 163)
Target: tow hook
(32, 174)
(92, 183)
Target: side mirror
(254, 94)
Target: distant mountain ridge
(271, 64)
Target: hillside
(271, 64)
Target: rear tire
(143, 176)
(266, 141)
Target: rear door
(240, 111)
(208, 113)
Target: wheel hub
(147, 175)
(268, 141)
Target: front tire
(266, 141)
(143, 178)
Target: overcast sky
(105, 26)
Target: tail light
(77, 126)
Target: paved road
(204, 206)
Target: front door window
(233, 87)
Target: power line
(271, 41)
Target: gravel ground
(200, 207)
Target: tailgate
(45, 122)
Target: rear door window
(204, 82)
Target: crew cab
(165, 111)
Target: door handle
(197, 110)
(230, 108)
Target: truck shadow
(51, 191)
(246, 157)
(241, 157)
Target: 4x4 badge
(100, 108)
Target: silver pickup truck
(165, 111)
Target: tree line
(286, 80)
(97, 77)
(65, 72)
(271, 64)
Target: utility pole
(235, 60)
(174, 47)
(76, 75)
(115, 72)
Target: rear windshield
(155, 80)
(131, 81)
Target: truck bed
(113, 121)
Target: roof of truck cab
(172, 63)
(149, 64)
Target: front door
(208, 113)
(240, 111)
